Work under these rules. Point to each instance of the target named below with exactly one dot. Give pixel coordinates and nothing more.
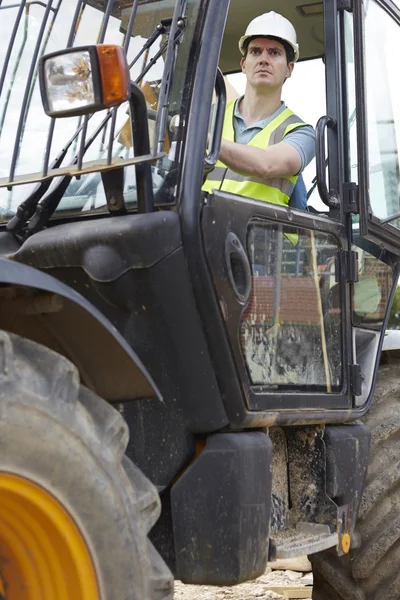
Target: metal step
(306, 538)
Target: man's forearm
(274, 161)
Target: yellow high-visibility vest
(275, 189)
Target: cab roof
(307, 19)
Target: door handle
(218, 122)
(328, 197)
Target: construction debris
(292, 592)
(300, 563)
(272, 585)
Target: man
(265, 147)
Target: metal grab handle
(218, 122)
(331, 197)
(141, 146)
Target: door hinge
(352, 267)
(355, 380)
(113, 184)
(349, 261)
(350, 198)
(345, 5)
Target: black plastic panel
(347, 453)
(44, 310)
(133, 270)
(104, 248)
(221, 510)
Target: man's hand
(279, 160)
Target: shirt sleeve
(303, 139)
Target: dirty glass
(44, 27)
(291, 330)
(371, 293)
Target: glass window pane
(291, 329)
(371, 292)
(351, 96)
(147, 63)
(381, 44)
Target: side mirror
(84, 80)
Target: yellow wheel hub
(43, 555)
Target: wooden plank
(292, 592)
(92, 166)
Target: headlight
(80, 81)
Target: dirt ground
(253, 590)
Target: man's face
(265, 64)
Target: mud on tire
(72, 443)
(372, 570)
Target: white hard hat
(271, 24)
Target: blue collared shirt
(303, 138)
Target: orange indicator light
(113, 74)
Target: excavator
(194, 382)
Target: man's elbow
(285, 168)
(265, 171)
(285, 161)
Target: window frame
(371, 227)
(217, 220)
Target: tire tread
(371, 571)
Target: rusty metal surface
(307, 473)
(301, 541)
(280, 483)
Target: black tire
(371, 571)
(72, 443)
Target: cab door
(371, 142)
(283, 277)
(294, 303)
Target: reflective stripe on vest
(276, 189)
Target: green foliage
(394, 318)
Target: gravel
(252, 590)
